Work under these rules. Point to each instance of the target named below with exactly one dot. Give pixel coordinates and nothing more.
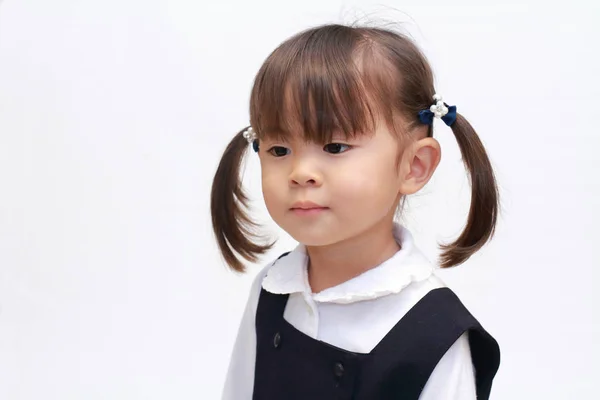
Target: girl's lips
(307, 208)
(309, 211)
(306, 205)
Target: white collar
(289, 274)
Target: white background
(114, 114)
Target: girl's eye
(336, 148)
(279, 151)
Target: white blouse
(354, 315)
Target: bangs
(314, 86)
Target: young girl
(341, 120)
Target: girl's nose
(304, 174)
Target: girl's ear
(418, 164)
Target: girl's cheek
(354, 175)
(273, 185)
(272, 177)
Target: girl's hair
(342, 78)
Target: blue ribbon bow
(426, 116)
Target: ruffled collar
(289, 274)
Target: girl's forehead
(296, 131)
(299, 118)
(314, 96)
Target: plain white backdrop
(114, 114)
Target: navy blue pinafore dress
(291, 365)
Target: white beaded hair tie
(250, 136)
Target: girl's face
(322, 195)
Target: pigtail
(483, 213)
(232, 226)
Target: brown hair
(340, 78)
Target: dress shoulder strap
(407, 356)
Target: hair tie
(250, 136)
(439, 110)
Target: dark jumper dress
(291, 365)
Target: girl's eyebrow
(348, 138)
(276, 138)
(277, 132)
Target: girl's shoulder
(262, 273)
(257, 282)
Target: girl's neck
(334, 264)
